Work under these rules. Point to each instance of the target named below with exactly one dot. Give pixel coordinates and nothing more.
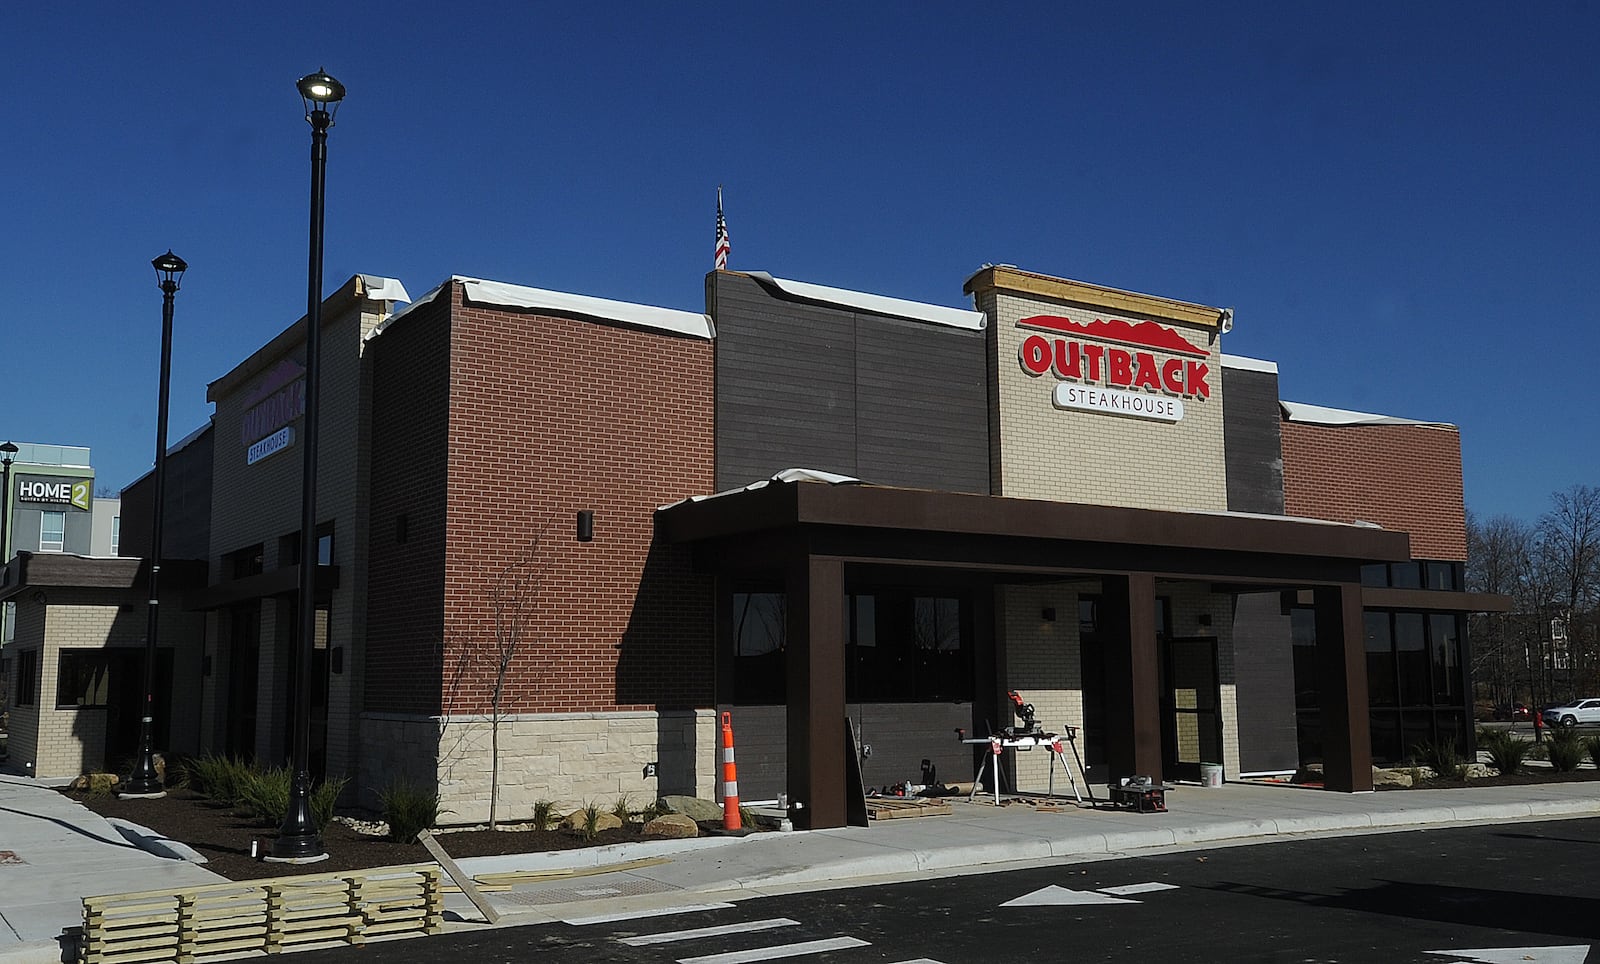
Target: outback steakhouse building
(822, 511)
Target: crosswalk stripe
(774, 953)
(668, 937)
(640, 914)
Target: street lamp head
(321, 95)
(9, 451)
(169, 270)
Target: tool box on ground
(1139, 793)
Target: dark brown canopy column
(1133, 688)
(814, 661)
(1342, 681)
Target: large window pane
(1303, 628)
(84, 679)
(1380, 660)
(1411, 655)
(759, 623)
(1444, 641)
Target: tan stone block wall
(571, 759)
(1042, 452)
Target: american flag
(722, 235)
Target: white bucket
(1211, 774)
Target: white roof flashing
(787, 475)
(500, 294)
(1321, 415)
(878, 304)
(1249, 364)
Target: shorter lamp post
(145, 781)
(8, 452)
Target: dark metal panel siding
(1252, 446)
(785, 385)
(760, 750)
(1263, 656)
(922, 417)
(883, 399)
(902, 735)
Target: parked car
(1513, 711)
(1572, 713)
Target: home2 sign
(1148, 379)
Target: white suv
(1574, 712)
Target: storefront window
(1303, 627)
(1380, 661)
(759, 626)
(1411, 655)
(912, 649)
(1444, 641)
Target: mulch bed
(224, 837)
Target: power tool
(1029, 726)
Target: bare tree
(1500, 559)
(1569, 543)
(513, 599)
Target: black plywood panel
(1263, 656)
(1252, 445)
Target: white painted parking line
(600, 892)
(668, 937)
(920, 960)
(1130, 889)
(640, 914)
(775, 953)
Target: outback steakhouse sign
(1130, 381)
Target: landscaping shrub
(264, 794)
(1442, 757)
(544, 814)
(217, 777)
(409, 809)
(1506, 752)
(1565, 750)
(324, 798)
(622, 809)
(1591, 746)
(588, 822)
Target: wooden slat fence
(268, 916)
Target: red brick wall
(549, 416)
(1405, 477)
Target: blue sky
(1399, 200)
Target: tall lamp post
(8, 452)
(298, 839)
(145, 781)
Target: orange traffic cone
(730, 777)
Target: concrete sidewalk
(64, 851)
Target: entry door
(244, 674)
(1191, 731)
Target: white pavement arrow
(1562, 954)
(1054, 896)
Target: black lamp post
(145, 781)
(298, 838)
(8, 452)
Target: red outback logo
(1093, 366)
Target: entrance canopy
(818, 536)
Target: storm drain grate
(9, 858)
(633, 887)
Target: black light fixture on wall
(585, 525)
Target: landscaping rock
(692, 807)
(96, 782)
(672, 825)
(1390, 778)
(604, 820)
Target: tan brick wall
(1404, 477)
(1043, 452)
(571, 759)
(1043, 666)
(261, 503)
